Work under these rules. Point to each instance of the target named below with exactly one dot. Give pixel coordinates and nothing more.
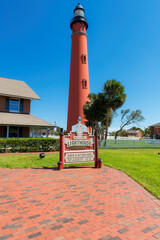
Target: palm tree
(115, 97)
(102, 106)
(94, 111)
(89, 111)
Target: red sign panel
(78, 146)
(79, 149)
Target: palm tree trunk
(107, 123)
(98, 129)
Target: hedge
(29, 145)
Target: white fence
(116, 144)
(122, 138)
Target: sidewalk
(75, 204)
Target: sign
(79, 137)
(79, 157)
(79, 146)
(83, 143)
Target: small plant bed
(16, 145)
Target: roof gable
(16, 88)
(22, 120)
(133, 131)
(155, 125)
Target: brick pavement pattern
(75, 204)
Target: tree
(115, 97)
(123, 133)
(102, 129)
(95, 112)
(147, 132)
(91, 111)
(112, 133)
(102, 106)
(129, 117)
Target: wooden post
(96, 148)
(99, 163)
(61, 154)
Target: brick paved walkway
(80, 203)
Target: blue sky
(123, 44)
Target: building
(51, 133)
(79, 76)
(15, 105)
(155, 130)
(134, 133)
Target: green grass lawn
(32, 161)
(143, 165)
(28, 161)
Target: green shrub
(29, 145)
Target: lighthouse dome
(79, 11)
(79, 16)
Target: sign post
(61, 160)
(78, 147)
(96, 148)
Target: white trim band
(79, 151)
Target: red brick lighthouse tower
(79, 77)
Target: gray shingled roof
(155, 125)
(16, 88)
(133, 131)
(22, 120)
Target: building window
(84, 58)
(14, 105)
(83, 28)
(13, 132)
(84, 83)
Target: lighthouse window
(84, 58)
(83, 28)
(84, 83)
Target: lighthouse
(79, 75)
